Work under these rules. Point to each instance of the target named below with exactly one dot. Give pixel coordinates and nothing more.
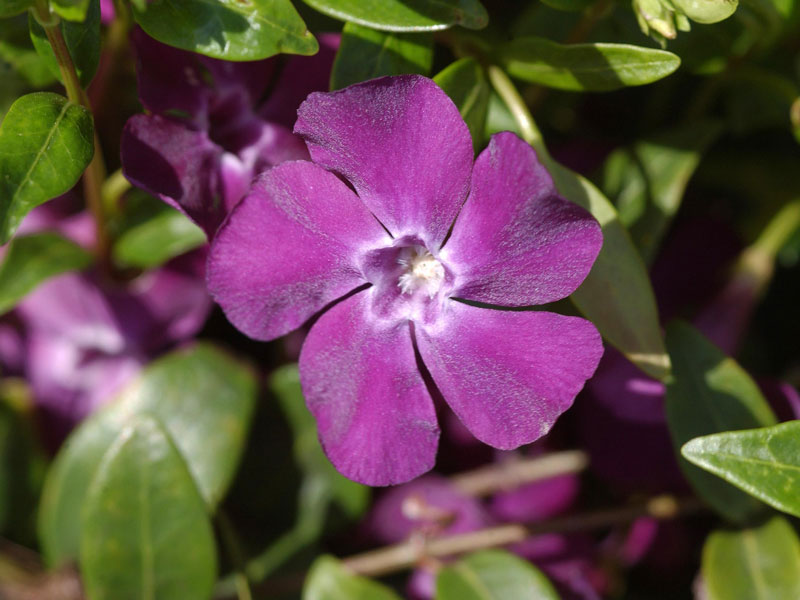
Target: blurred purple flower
(86, 337)
(209, 131)
(396, 256)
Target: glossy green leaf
(322, 485)
(763, 462)
(760, 563)
(328, 580)
(9, 8)
(153, 233)
(493, 575)
(71, 10)
(82, 39)
(366, 53)
(228, 29)
(709, 393)
(406, 15)
(465, 82)
(203, 397)
(585, 67)
(46, 142)
(706, 11)
(146, 533)
(17, 50)
(32, 259)
(648, 180)
(616, 295)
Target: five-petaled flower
(410, 261)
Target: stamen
(421, 271)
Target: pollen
(421, 271)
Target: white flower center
(421, 271)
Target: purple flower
(392, 253)
(209, 132)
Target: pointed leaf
(203, 397)
(33, 258)
(585, 67)
(763, 462)
(366, 53)
(466, 84)
(761, 563)
(46, 142)
(146, 533)
(228, 29)
(329, 580)
(406, 15)
(710, 393)
(82, 39)
(493, 575)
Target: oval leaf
(146, 533)
(762, 563)
(82, 39)
(228, 29)
(46, 142)
(366, 53)
(203, 397)
(706, 11)
(493, 575)
(466, 84)
(328, 580)
(406, 15)
(33, 258)
(585, 67)
(763, 462)
(709, 393)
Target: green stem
(508, 93)
(233, 547)
(95, 173)
(779, 229)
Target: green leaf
(493, 575)
(203, 397)
(322, 485)
(648, 180)
(585, 67)
(17, 50)
(706, 11)
(9, 8)
(761, 563)
(228, 29)
(466, 84)
(710, 393)
(46, 142)
(146, 533)
(71, 10)
(763, 462)
(31, 259)
(406, 15)
(366, 53)
(153, 233)
(82, 39)
(616, 295)
(328, 580)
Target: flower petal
(403, 145)
(375, 417)
(516, 241)
(176, 164)
(508, 375)
(289, 248)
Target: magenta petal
(289, 248)
(403, 145)
(176, 164)
(516, 241)
(509, 375)
(375, 417)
